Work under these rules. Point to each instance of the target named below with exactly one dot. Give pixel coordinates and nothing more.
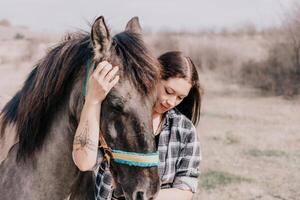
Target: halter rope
(119, 156)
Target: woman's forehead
(180, 85)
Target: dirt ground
(250, 143)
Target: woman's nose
(171, 102)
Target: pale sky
(63, 15)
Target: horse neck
(64, 122)
(7, 141)
(61, 133)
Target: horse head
(126, 113)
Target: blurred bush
(279, 73)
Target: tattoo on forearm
(83, 142)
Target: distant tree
(291, 25)
(5, 22)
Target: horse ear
(134, 25)
(101, 39)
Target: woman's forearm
(174, 194)
(85, 145)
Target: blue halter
(119, 156)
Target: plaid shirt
(179, 155)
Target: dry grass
(215, 52)
(250, 143)
(215, 179)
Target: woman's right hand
(101, 81)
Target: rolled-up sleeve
(98, 161)
(188, 164)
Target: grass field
(250, 144)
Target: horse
(45, 113)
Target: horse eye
(118, 108)
(114, 43)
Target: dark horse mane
(31, 108)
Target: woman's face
(170, 93)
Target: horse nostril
(139, 195)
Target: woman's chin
(163, 110)
(159, 110)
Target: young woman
(175, 114)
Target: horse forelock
(139, 65)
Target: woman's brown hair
(175, 65)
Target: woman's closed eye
(169, 91)
(180, 98)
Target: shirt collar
(171, 113)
